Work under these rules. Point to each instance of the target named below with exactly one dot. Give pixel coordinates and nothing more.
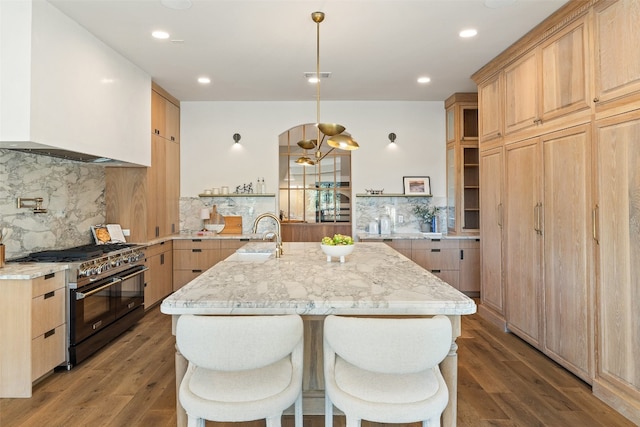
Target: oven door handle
(82, 295)
(142, 270)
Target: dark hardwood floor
(502, 382)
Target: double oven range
(105, 293)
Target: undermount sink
(250, 256)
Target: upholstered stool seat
(241, 368)
(386, 370)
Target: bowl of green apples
(337, 246)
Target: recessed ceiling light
(470, 32)
(424, 79)
(204, 80)
(160, 35)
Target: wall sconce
(392, 138)
(236, 137)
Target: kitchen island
(374, 280)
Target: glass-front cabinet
(463, 171)
(318, 193)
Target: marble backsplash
(248, 207)
(73, 195)
(400, 211)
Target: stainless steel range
(105, 293)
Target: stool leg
(328, 411)
(353, 422)
(298, 411)
(273, 421)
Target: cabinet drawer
(449, 276)
(182, 277)
(434, 244)
(47, 351)
(158, 248)
(200, 259)
(441, 259)
(47, 283)
(196, 244)
(48, 311)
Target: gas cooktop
(78, 253)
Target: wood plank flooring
(502, 382)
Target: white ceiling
(258, 50)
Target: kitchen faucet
(278, 233)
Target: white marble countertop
(375, 279)
(29, 270)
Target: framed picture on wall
(417, 185)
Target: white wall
(210, 159)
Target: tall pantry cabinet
(559, 115)
(146, 200)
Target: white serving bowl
(214, 227)
(337, 251)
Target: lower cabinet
(32, 331)
(159, 277)
(456, 261)
(191, 258)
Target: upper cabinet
(490, 102)
(463, 182)
(521, 83)
(165, 116)
(548, 82)
(146, 200)
(617, 63)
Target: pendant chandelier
(334, 132)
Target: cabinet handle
(435, 250)
(500, 215)
(49, 276)
(538, 218)
(594, 221)
(435, 271)
(49, 333)
(596, 99)
(499, 133)
(461, 254)
(196, 240)
(196, 271)
(535, 218)
(162, 259)
(196, 250)
(49, 294)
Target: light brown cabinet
(549, 81)
(193, 257)
(570, 194)
(146, 200)
(456, 261)
(617, 379)
(491, 230)
(490, 102)
(617, 66)
(165, 116)
(463, 182)
(523, 242)
(549, 276)
(159, 277)
(32, 331)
